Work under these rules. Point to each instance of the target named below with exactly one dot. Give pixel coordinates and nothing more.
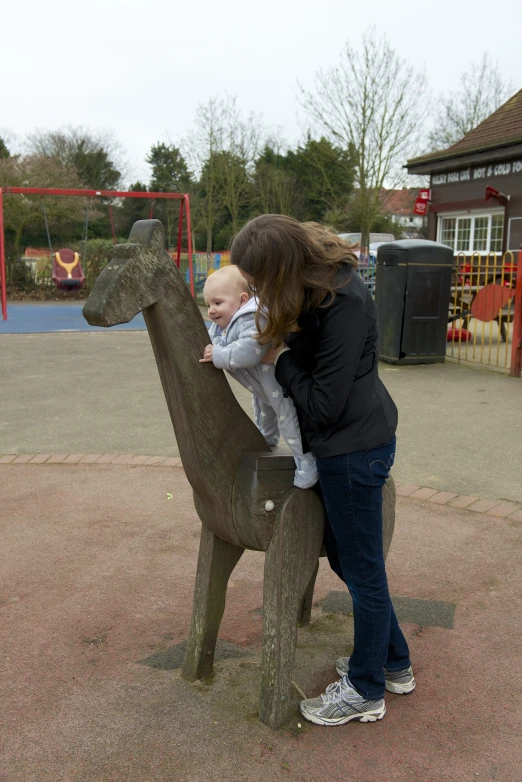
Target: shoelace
(338, 691)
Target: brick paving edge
(496, 508)
(118, 459)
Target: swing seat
(67, 270)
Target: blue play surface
(43, 318)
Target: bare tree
(242, 139)
(95, 153)
(482, 91)
(221, 151)
(200, 148)
(372, 105)
(276, 189)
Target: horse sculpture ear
(149, 233)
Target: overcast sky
(140, 69)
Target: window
(463, 234)
(497, 224)
(480, 243)
(448, 231)
(472, 232)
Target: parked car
(374, 237)
(372, 250)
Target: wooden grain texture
(304, 616)
(290, 562)
(212, 430)
(217, 559)
(261, 478)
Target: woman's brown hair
(295, 266)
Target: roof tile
(501, 127)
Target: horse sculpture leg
(305, 611)
(291, 559)
(217, 559)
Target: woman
(321, 323)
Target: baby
(232, 310)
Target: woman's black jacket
(330, 373)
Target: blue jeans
(351, 485)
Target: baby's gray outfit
(237, 350)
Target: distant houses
(399, 205)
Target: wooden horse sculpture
(243, 491)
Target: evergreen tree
(170, 174)
(325, 174)
(132, 209)
(95, 168)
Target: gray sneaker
(340, 704)
(400, 682)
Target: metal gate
(485, 310)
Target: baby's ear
(243, 298)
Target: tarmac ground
(97, 575)
(460, 429)
(98, 569)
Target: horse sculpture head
(130, 282)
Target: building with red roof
(476, 185)
(399, 204)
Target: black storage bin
(412, 296)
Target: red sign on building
(425, 195)
(491, 192)
(421, 206)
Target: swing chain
(85, 230)
(51, 252)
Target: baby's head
(225, 291)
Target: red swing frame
(184, 210)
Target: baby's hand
(207, 354)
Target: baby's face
(222, 300)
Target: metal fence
(34, 273)
(485, 313)
(206, 263)
(24, 275)
(203, 264)
(28, 274)
(482, 310)
(366, 269)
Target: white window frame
(473, 214)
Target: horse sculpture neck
(211, 429)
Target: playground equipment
(67, 271)
(455, 334)
(243, 490)
(184, 213)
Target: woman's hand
(207, 355)
(272, 354)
